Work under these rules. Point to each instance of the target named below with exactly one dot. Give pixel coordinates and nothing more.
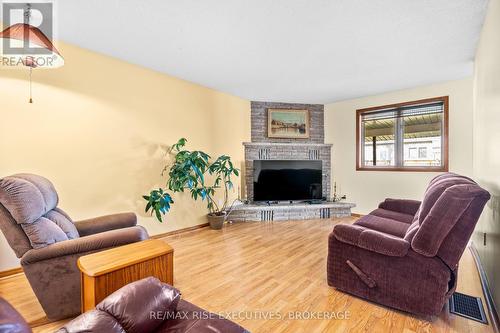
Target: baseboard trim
(492, 310)
(181, 231)
(356, 215)
(10, 272)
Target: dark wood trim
(357, 215)
(444, 168)
(12, 271)
(180, 231)
(490, 304)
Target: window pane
(405, 135)
(379, 142)
(422, 139)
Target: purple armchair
(405, 254)
(49, 244)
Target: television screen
(287, 180)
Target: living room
(271, 166)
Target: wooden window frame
(444, 134)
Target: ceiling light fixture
(29, 46)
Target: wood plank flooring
(273, 269)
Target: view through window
(405, 136)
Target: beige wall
(368, 188)
(98, 127)
(487, 143)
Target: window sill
(404, 169)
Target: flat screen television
(279, 180)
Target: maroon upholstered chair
(405, 254)
(149, 305)
(49, 244)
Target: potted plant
(188, 172)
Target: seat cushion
(133, 304)
(190, 318)
(388, 226)
(389, 214)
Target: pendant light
(23, 36)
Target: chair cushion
(63, 221)
(389, 214)
(133, 304)
(388, 226)
(371, 240)
(43, 232)
(53, 227)
(27, 197)
(444, 215)
(31, 200)
(93, 321)
(436, 188)
(412, 230)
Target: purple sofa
(405, 254)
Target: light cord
(31, 97)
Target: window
(411, 136)
(422, 152)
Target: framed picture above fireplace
(288, 123)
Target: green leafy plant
(188, 172)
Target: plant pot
(216, 221)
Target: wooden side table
(107, 271)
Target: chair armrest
(96, 242)
(105, 223)
(404, 206)
(371, 240)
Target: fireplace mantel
(286, 144)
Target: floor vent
(324, 213)
(467, 306)
(266, 215)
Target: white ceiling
(315, 51)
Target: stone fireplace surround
(265, 148)
(287, 151)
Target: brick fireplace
(264, 148)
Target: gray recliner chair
(49, 243)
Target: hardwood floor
(272, 268)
